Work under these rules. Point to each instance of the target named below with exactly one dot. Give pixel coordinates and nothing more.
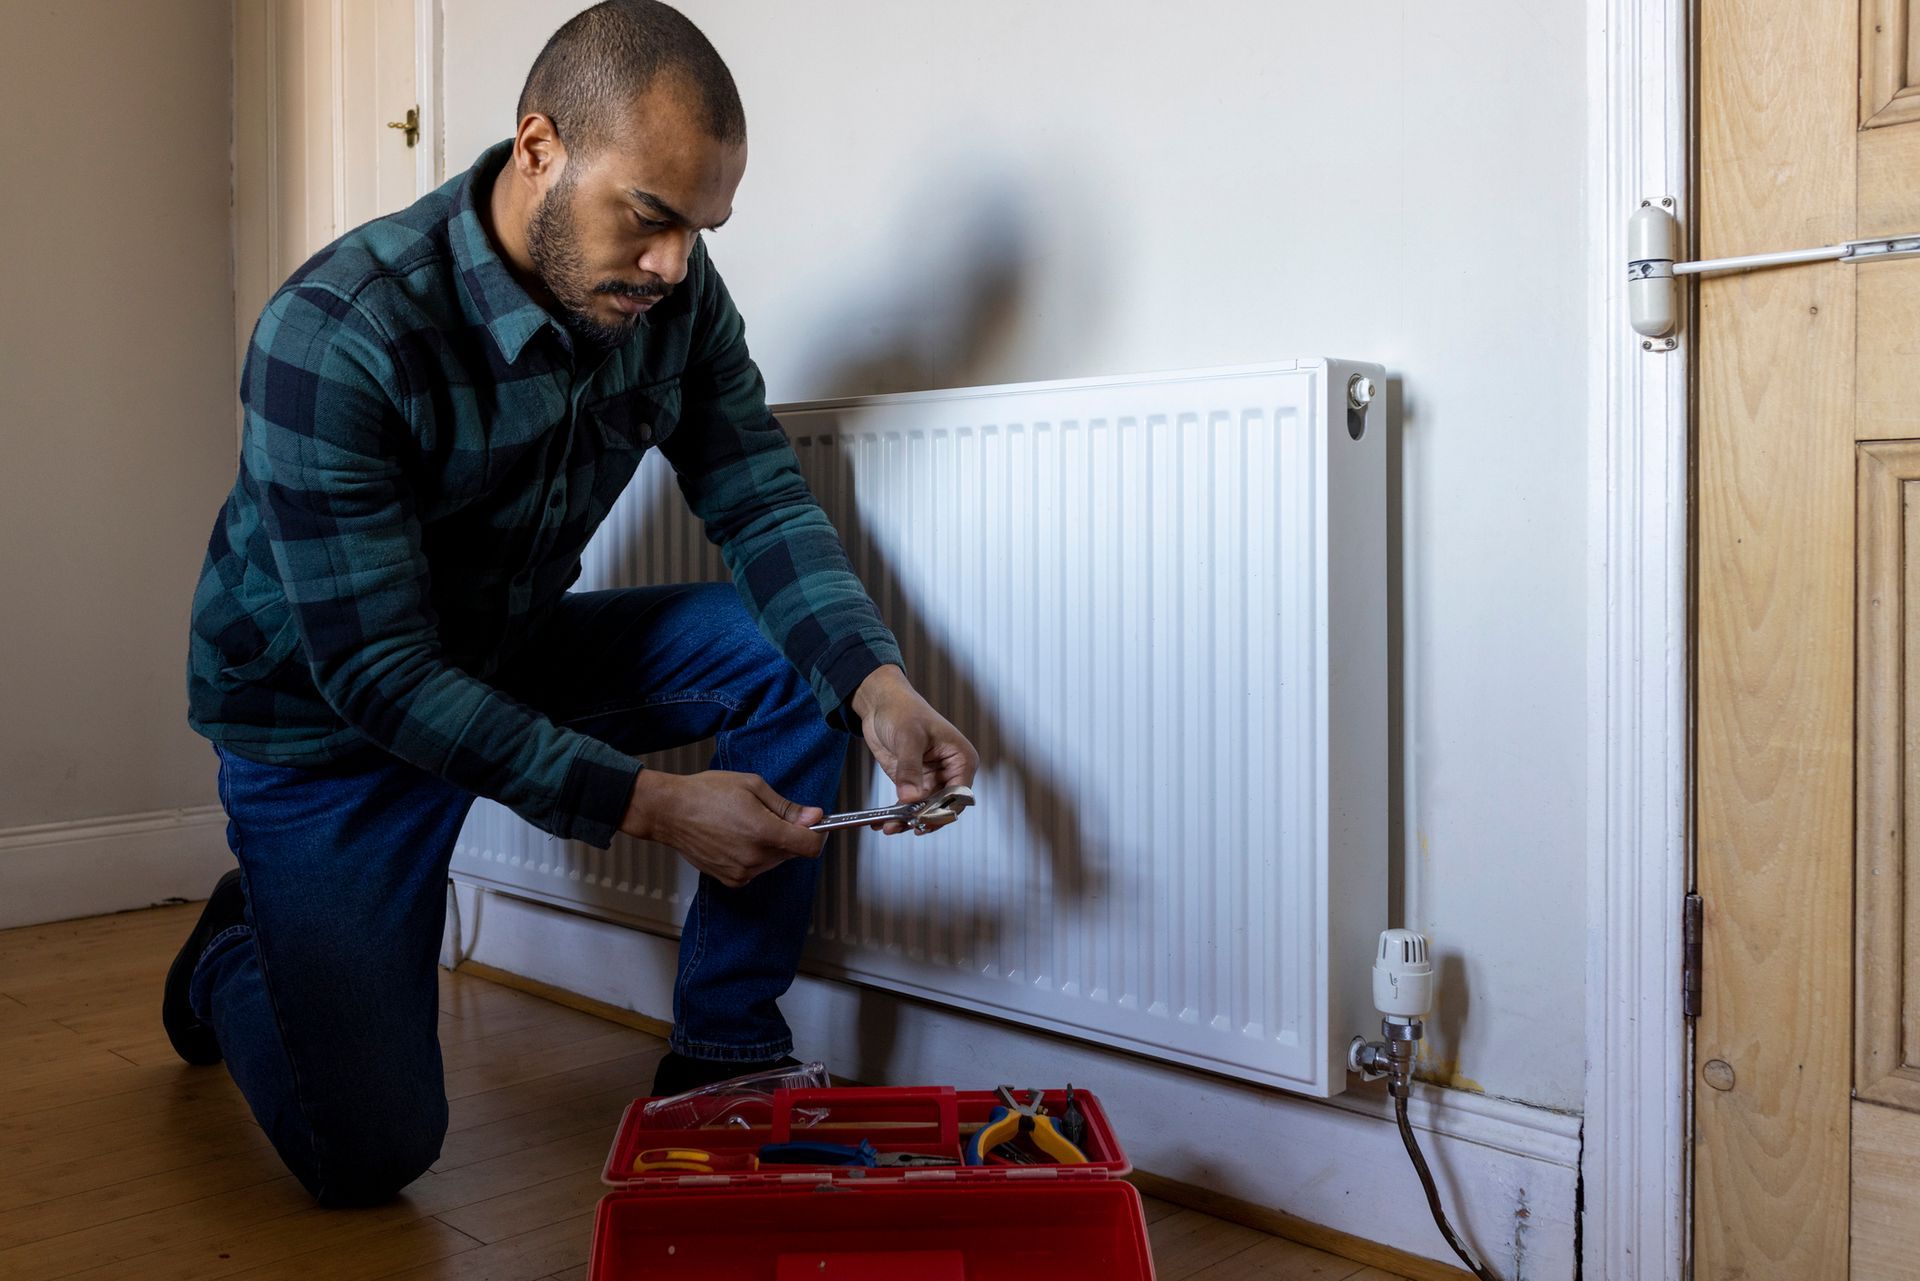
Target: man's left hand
(920, 749)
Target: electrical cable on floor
(1460, 1247)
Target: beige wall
(116, 412)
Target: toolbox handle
(940, 1097)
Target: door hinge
(1690, 917)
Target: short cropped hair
(604, 57)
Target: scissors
(683, 1160)
(922, 816)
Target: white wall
(943, 194)
(116, 443)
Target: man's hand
(919, 749)
(731, 826)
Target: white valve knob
(1403, 975)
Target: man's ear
(538, 153)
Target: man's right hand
(730, 826)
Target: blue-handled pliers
(863, 1153)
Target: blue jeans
(325, 1001)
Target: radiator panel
(1157, 607)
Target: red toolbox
(866, 1223)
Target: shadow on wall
(1438, 1063)
(954, 330)
(1397, 419)
(959, 329)
(948, 302)
(962, 328)
(899, 334)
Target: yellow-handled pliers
(1016, 1119)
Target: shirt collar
(501, 304)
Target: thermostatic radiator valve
(1403, 993)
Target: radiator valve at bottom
(1403, 993)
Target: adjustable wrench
(922, 816)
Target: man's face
(612, 234)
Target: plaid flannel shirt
(425, 455)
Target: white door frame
(431, 159)
(1637, 1115)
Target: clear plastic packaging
(743, 1102)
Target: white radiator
(1157, 606)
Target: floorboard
(117, 1161)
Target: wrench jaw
(925, 816)
(940, 809)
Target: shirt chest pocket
(628, 423)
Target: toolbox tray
(858, 1223)
(936, 1119)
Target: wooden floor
(117, 1161)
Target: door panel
(1888, 400)
(1886, 1222)
(377, 70)
(315, 83)
(1886, 1038)
(1889, 62)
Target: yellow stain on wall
(1444, 1072)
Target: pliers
(922, 816)
(1016, 1119)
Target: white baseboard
(56, 871)
(1507, 1172)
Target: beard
(553, 242)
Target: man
(440, 408)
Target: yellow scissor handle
(691, 1160)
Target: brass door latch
(411, 125)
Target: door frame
(431, 161)
(1635, 1167)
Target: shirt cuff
(598, 791)
(841, 670)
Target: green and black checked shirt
(425, 455)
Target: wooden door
(317, 86)
(1807, 1158)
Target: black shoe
(677, 1073)
(192, 1039)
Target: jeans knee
(365, 1164)
(764, 670)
